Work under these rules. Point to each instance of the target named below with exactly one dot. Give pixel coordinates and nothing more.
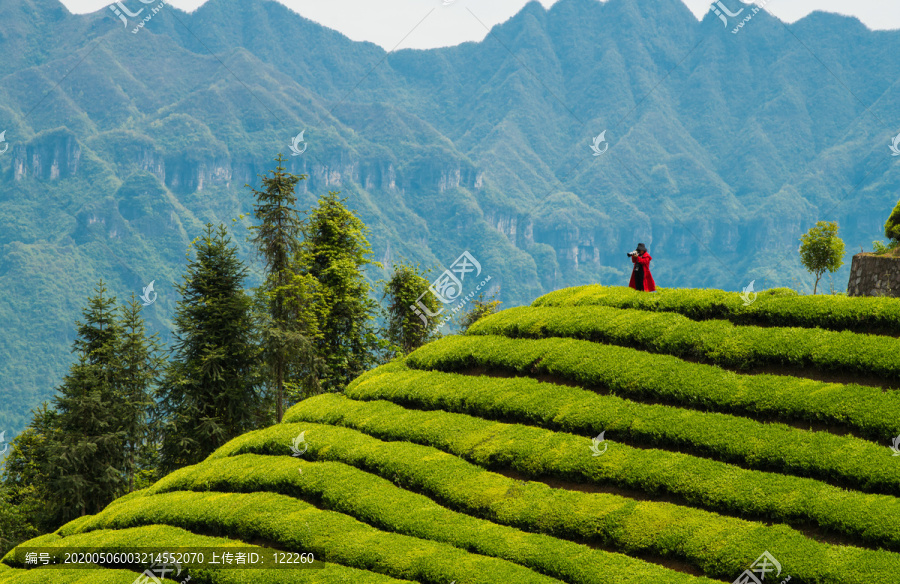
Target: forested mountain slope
(722, 148)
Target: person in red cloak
(641, 278)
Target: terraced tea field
(599, 436)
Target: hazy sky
(389, 22)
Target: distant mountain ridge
(723, 148)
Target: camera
(632, 253)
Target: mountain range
(717, 146)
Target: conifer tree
(26, 482)
(407, 327)
(86, 444)
(288, 320)
(139, 363)
(334, 252)
(75, 458)
(15, 522)
(209, 393)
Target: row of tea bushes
(715, 341)
(294, 525)
(150, 537)
(845, 460)
(871, 412)
(778, 307)
(629, 526)
(57, 575)
(378, 502)
(696, 480)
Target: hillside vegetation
(599, 436)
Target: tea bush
(775, 307)
(870, 411)
(714, 341)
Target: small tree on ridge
(822, 250)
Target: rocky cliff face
(57, 155)
(51, 156)
(507, 223)
(185, 176)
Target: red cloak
(644, 260)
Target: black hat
(642, 247)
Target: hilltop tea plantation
(598, 436)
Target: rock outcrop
(874, 275)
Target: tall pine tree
(86, 455)
(288, 321)
(334, 252)
(138, 366)
(76, 457)
(210, 393)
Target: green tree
(295, 337)
(15, 523)
(27, 504)
(892, 225)
(407, 325)
(291, 300)
(334, 252)
(86, 456)
(139, 364)
(78, 456)
(209, 393)
(822, 250)
(480, 308)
